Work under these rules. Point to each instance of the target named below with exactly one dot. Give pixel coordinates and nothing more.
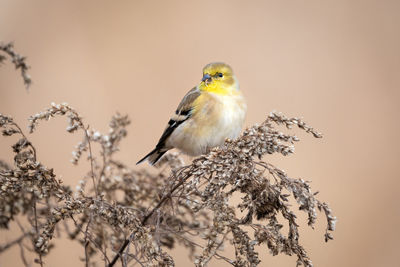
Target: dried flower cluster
(229, 197)
(17, 60)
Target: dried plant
(228, 197)
(17, 60)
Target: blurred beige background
(335, 63)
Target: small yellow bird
(208, 114)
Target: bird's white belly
(217, 120)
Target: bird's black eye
(219, 74)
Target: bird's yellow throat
(226, 87)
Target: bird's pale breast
(215, 118)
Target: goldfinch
(208, 114)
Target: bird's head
(218, 78)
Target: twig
(12, 243)
(216, 255)
(37, 229)
(18, 61)
(145, 219)
(90, 239)
(86, 242)
(91, 161)
(136, 259)
(214, 252)
(22, 253)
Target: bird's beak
(206, 78)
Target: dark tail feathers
(154, 155)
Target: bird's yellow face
(219, 78)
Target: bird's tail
(154, 155)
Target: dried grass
(118, 213)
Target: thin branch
(14, 242)
(22, 253)
(148, 216)
(86, 242)
(37, 229)
(18, 61)
(89, 238)
(91, 161)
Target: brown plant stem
(148, 216)
(18, 61)
(89, 238)
(37, 230)
(86, 243)
(91, 161)
(14, 242)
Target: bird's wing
(182, 113)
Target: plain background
(334, 63)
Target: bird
(209, 113)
